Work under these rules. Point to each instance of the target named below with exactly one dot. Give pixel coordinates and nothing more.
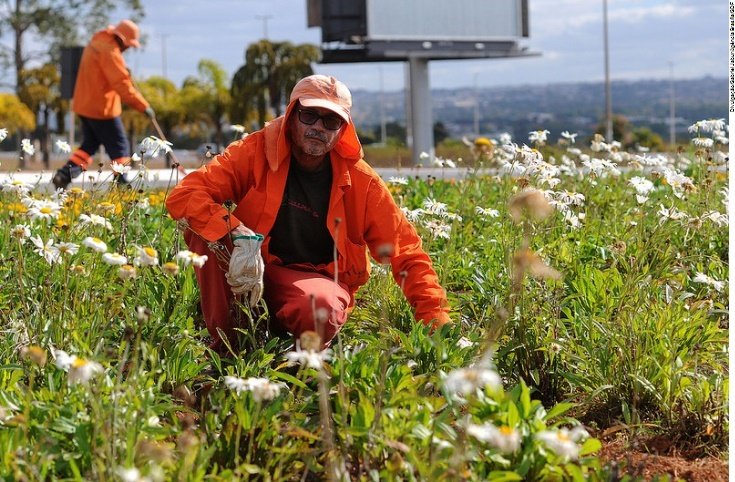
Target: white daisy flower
(95, 244)
(490, 213)
(147, 256)
(642, 185)
(63, 360)
(95, 220)
(153, 146)
(263, 390)
(27, 147)
(432, 206)
(506, 439)
(563, 442)
(704, 279)
(63, 146)
(538, 137)
(308, 358)
(81, 370)
(44, 210)
(67, 248)
(17, 185)
(119, 168)
(46, 250)
(465, 381)
(187, 257)
(115, 259)
(20, 232)
(399, 180)
(705, 142)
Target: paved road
(168, 177)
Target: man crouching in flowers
(290, 213)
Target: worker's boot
(65, 174)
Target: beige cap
(128, 32)
(323, 91)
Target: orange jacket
(362, 214)
(103, 80)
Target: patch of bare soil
(647, 462)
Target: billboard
(442, 20)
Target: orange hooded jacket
(103, 80)
(362, 215)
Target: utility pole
(608, 96)
(477, 108)
(163, 56)
(265, 19)
(672, 109)
(383, 136)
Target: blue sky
(648, 39)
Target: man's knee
(324, 314)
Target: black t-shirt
(300, 233)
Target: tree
(440, 132)
(40, 92)
(270, 72)
(51, 24)
(16, 117)
(165, 99)
(207, 97)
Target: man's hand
(150, 112)
(245, 274)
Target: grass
(603, 305)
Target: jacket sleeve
(389, 233)
(117, 75)
(199, 198)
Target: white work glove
(245, 274)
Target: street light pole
(163, 55)
(265, 19)
(672, 109)
(608, 96)
(477, 108)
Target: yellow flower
(34, 353)
(170, 268)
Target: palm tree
(207, 97)
(270, 72)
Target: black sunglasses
(330, 121)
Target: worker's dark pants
(299, 298)
(107, 132)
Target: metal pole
(477, 108)
(672, 110)
(163, 56)
(608, 96)
(383, 136)
(264, 18)
(421, 122)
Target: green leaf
(559, 409)
(590, 446)
(503, 476)
(288, 378)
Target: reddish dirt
(649, 464)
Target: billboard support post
(415, 32)
(420, 101)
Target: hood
(278, 146)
